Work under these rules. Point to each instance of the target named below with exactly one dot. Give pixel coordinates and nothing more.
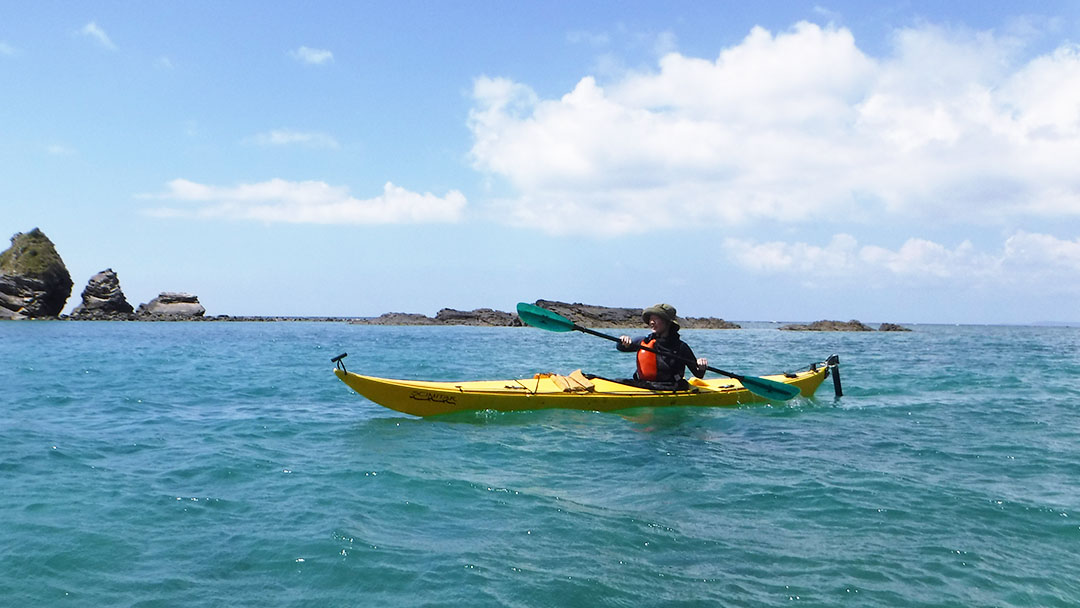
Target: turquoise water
(222, 464)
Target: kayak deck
(574, 391)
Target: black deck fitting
(834, 366)
(341, 364)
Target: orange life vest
(646, 361)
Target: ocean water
(222, 464)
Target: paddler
(663, 369)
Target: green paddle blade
(543, 318)
(769, 389)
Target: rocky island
(606, 316)
(103, 299)
(852, 325)
(34, 282)
(584, 314)
(172, 304)
(485, 317)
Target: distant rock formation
(34, 282)
(584, 314)
(171, 305)
(479, 316)
(588, 315)
(893, 327)
(485, 317)
(397, 318)
(707, 323)
(851, 325)
(103, 299)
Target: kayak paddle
(543, 318)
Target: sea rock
(485, 317)
(173, 305)
(707, 323)
(851, 325)
(480, 316)
(893, 327)
(588, 315)
(397, 318)
(103, 299)
(584, 314)
(34, 282)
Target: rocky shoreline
(35, 284)
(852, 325)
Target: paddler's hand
(625, 340)
(702, 363)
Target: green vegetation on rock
(35, 281)
(32, 254)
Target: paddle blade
(769, 389)
(533, 315)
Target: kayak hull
(545, 391)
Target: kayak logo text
(437, 398)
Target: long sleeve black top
(673, 358)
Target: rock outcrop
(485, 317)
(851, 325)
(893, 327)
(588, 315)
(479, 316)
(103, 299)
(34, 282)
(171, 305)
(584, 314)
(397, 318)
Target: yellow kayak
(572, 391)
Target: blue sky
(908, 162)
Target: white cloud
(826, 12)
(666, 42)
(596, 39)
(307, 202)
(923, 258)
(7, 49)
(312, 56)
(285, 137)
(840, 256)
(94, 31)
(793, 126)
(59, 150)
(1042, 253)
(1023, 258)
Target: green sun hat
(664, 311)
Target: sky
(911, 162)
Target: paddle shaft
(653, 350)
